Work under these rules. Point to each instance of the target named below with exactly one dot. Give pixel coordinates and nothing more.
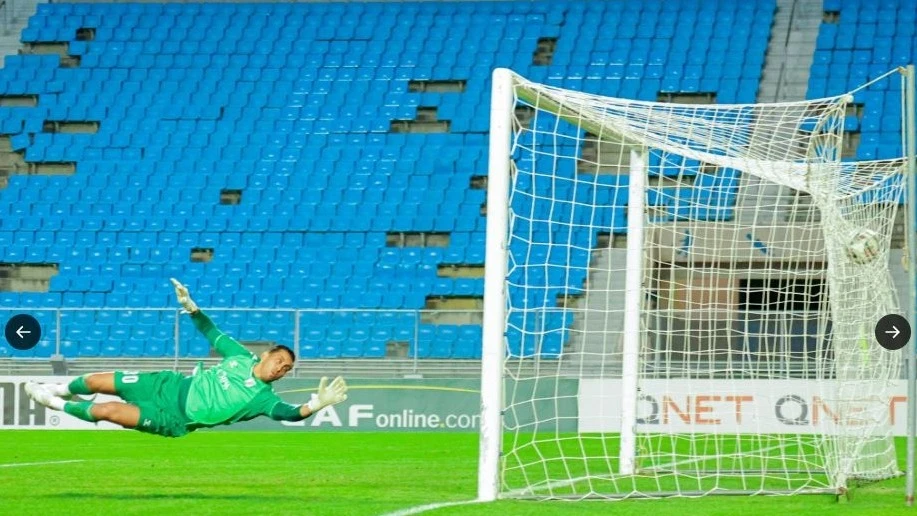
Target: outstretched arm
(327, 395)
(224, 344)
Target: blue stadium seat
(330, 350)
(198, 349)
(89, 349)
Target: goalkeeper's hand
(184, 298)
(328, 395)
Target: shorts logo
(147, 422)
(250, 382)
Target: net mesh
(763, 265)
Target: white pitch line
(428, 507)
(18, 464)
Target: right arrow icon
(893, 332)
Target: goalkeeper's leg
(123, 414)
(161, 417)
(101, 383)
(147, 417)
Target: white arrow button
(895, 332)
(20, 331)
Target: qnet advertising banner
(742, 406)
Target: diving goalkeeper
(170, 404)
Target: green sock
(80, 409)
(78, 386)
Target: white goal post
(680, 299)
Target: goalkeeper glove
(328, 394)
(184, 298)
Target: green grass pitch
(316, 473)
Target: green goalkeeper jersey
(229, 391)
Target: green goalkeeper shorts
(157, 396)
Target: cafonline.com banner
(386, 405)
(416, 405)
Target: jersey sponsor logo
(223, 379)
(233, 363)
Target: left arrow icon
(22, 332)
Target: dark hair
(281, 347)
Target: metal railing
(166, 333)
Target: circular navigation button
(23, 331)
(893, 332)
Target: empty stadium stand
(859, 41)
(296, 112)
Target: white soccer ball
(864, 247)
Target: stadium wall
(590, 405)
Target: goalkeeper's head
(275, 364)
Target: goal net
(680, 299)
